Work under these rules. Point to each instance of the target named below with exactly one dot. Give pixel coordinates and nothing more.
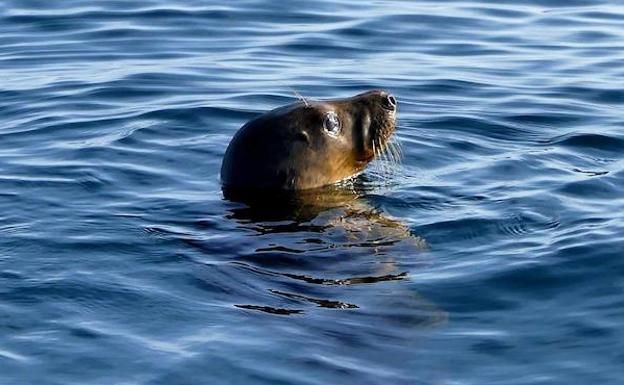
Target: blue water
(122, 263)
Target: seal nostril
(389, 103)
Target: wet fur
(288, 149)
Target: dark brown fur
(288, 148)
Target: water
(121, 263)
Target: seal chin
(364, 159)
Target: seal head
(309, 144)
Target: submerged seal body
(309, 144)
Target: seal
(309, 144)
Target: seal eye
(331, 123)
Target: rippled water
(122, 263)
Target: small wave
(482, 127)
(596, 188)
(590, 141)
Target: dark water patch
(465, 49)
(70, 21)
(279, 249)
(116, 92)
(328, 281)
(422, 20)
(542, 281)
(582, 329)
(590, 172)
(545, 119)
(201, 114)
(84, 333)
(463, 300)
(600, 15)
(357, 32)
(477, 126)
(325, 47)
(599, 143)
(90, 295)
(492, 347)
(275, 257)
(6, 274)
(318, 301)
(597, 36)
(505, 13)
(270, 310)
(598, 95)
(454, 86)
(483, 229)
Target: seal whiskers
(300, 97)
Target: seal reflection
(315, 242)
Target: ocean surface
(493, 254)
